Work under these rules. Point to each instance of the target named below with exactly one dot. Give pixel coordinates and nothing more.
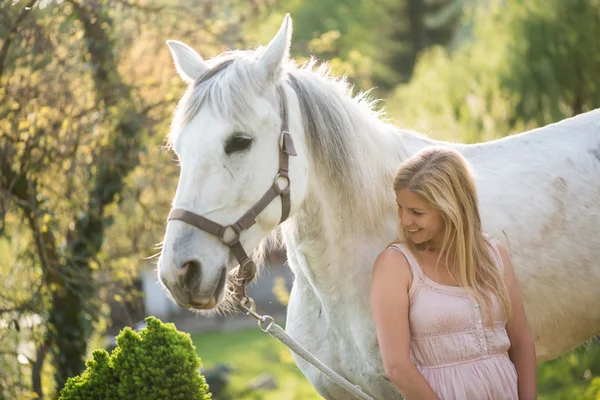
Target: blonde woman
(449, 317)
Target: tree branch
(36, 368)
(12, 33)
(18, 186)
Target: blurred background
(87, 92)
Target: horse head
(241, 170)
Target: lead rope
(278, 333)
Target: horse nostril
(190, 274)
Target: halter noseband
(230, 234)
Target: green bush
(158, 363)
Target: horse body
(539, 194)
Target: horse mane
(343, 136)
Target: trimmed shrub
(158, 363)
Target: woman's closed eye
(412, 210)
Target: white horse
(539, 194)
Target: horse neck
(339, 237)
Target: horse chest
(341, 343)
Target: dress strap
(495, 252)
(415, 268)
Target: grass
(574, 376)
(252, 353)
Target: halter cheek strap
(230, 234)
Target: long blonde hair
(442, 177)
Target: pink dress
(456, 352)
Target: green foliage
(458, 96)
(527, 63)
(376, 42)
(418, 25)
(553, 58)
(575, 375)
(158, 363)
(352, 35)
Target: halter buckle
(286, 143)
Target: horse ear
(188, 63)
(277, 53)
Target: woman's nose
(405, 220)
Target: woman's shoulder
(391, 267)
(393, 260)
(392, 254)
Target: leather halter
(230, 234)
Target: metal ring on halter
(276, 182)
(264, 319)
(235, 239)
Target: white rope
(278, 333)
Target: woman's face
(422, 222)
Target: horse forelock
(228, 88)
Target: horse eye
(237, 143)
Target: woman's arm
(389, 304)
(522, 348)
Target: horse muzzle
(191, 289)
